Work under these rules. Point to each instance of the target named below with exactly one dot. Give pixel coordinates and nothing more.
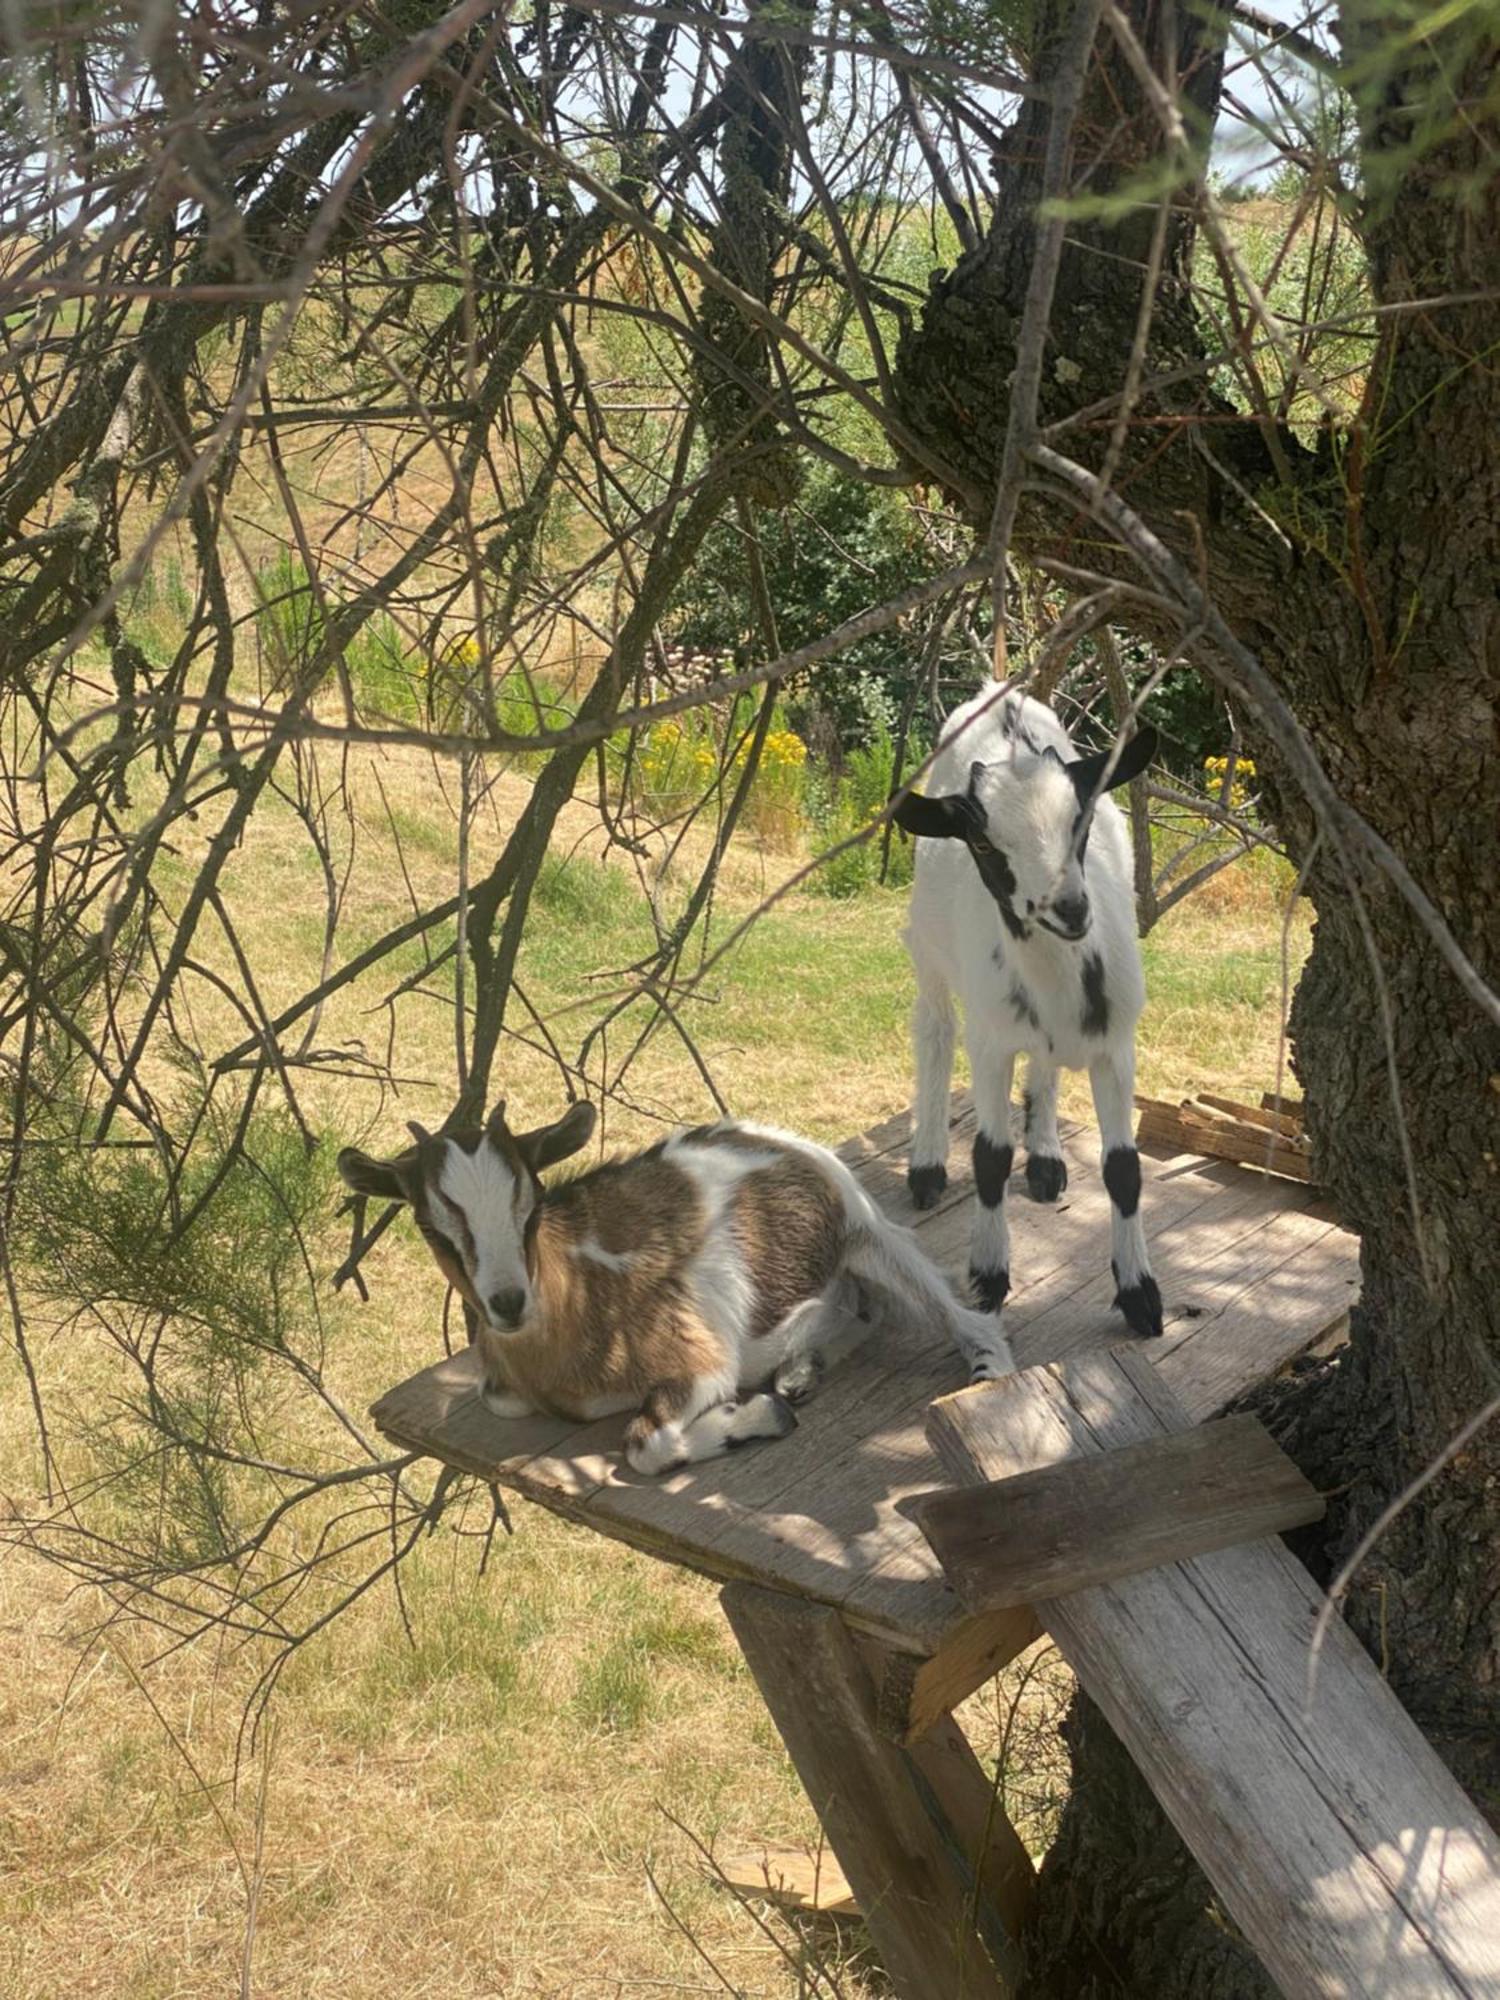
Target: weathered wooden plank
(1263, 1115)
(1063, 1527)
(914, 1692)
(1271, 1100)
(920, 1879)
(944, 1761)
(794, 1878)
(1354, 1864)
(1172, 1125)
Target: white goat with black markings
(669, 1284)
(1023, 905)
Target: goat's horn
(419, 1132)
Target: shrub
(846, 803)
(678, 760)
(288, 620)
(843, 547)
(384, 680)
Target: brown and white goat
(721, 1260)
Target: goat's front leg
(989, 1253)
(681, 1422)
(1046, 1169)
(1112, 1078)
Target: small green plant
(525, 704)
(845, 804)
(289, 619)
(385, 682)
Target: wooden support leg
(914, 1829)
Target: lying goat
(721, 1260)
(1023, 905)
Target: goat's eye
(980, 845)
(439, 1241)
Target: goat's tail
(889, 1259)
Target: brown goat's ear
(380, 1179)
(551, 1143)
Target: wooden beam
(914, 1694)
(1335, 1838)
(907, 1830)
(1063, 1527)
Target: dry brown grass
(473, 1813)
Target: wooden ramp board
(1253, 1271)
(1090, 1520)
(1344, 1850)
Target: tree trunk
(1373, 603)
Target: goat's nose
(508, 1307)
(1072, 914)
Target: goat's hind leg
(819, 1334)
(933, 1031)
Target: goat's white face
(475, 1210)
(1025, 819)
(473, 1194)
(1030, 834)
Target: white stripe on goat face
(490, 1202)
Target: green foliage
(288, 618)
(843, 547)
(524, 705)
(208, 1280)
(843, 805)
(672, 767)
(385, 682)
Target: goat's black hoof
(1141, 1305)
(926, 1185)
(989, 1288)
(1046, 1176)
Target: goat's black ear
(380, 1179)
(1087, 773)
(945, 818)
(550, 1143)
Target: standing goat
(720, 1260)
(1023, 904)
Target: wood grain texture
(1253, 1270)
(1345, 1851)
(1087, 1521)
(794, 1878)
(913, 1830)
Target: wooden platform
(1254, 1270)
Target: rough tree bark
(1366, 575)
